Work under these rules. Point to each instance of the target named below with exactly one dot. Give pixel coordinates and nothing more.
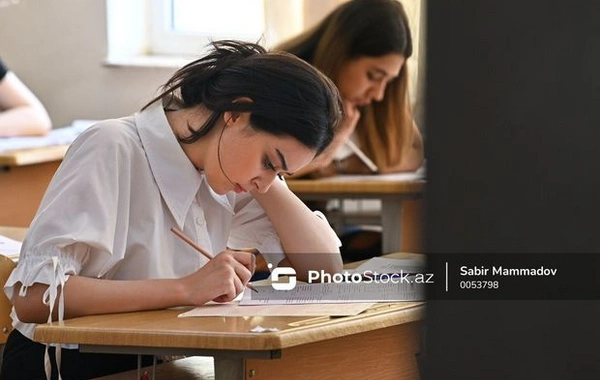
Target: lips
(239, 189)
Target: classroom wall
(57, 47)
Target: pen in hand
(201, 250)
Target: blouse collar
(176, 177)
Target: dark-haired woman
(205, 156)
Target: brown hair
(366, 28)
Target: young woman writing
(203, 157)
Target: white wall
(57, 47)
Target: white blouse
(109, 208)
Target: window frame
(165, 41)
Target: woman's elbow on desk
(24, 121)
(304, 262)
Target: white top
(109, 208)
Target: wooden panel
(412, 225)
(21, 191)
(381, 354)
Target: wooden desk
(380, 343)
(391, 189)
(15, 233)
(24, 177)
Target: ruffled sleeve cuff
(50, 268)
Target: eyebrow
(384, 73)
(282, 159)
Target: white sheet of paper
(336, 293)
(407, 176)
(9, 247)
(233, 309)
(391, 265)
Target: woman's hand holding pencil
(224, 277)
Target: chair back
(6, 267)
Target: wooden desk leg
(391, 222)
(382, 354)
(229, 368)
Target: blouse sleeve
(77, 228)
(252, 228)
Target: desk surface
(15, 233)
(33, 155)
(366, 184)
(162, 328)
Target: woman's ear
(235, 118)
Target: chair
(6, 267)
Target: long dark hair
(288, 96)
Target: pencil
(200, 249)
(363, 157)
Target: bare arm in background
(21, 112)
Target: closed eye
(269, 166)
(374, 77)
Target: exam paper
(9, 247)
(391, 265)
(405, 176)
(233, 309)
(337, 293)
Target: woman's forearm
(24, 121)
(308, 241)
(21, 112)
(221, 280)
(89, 296)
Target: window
(172, 32)
(186, 26)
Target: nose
(379, 91)
(263, 183)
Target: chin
(221, 190)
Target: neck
(181, 121)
